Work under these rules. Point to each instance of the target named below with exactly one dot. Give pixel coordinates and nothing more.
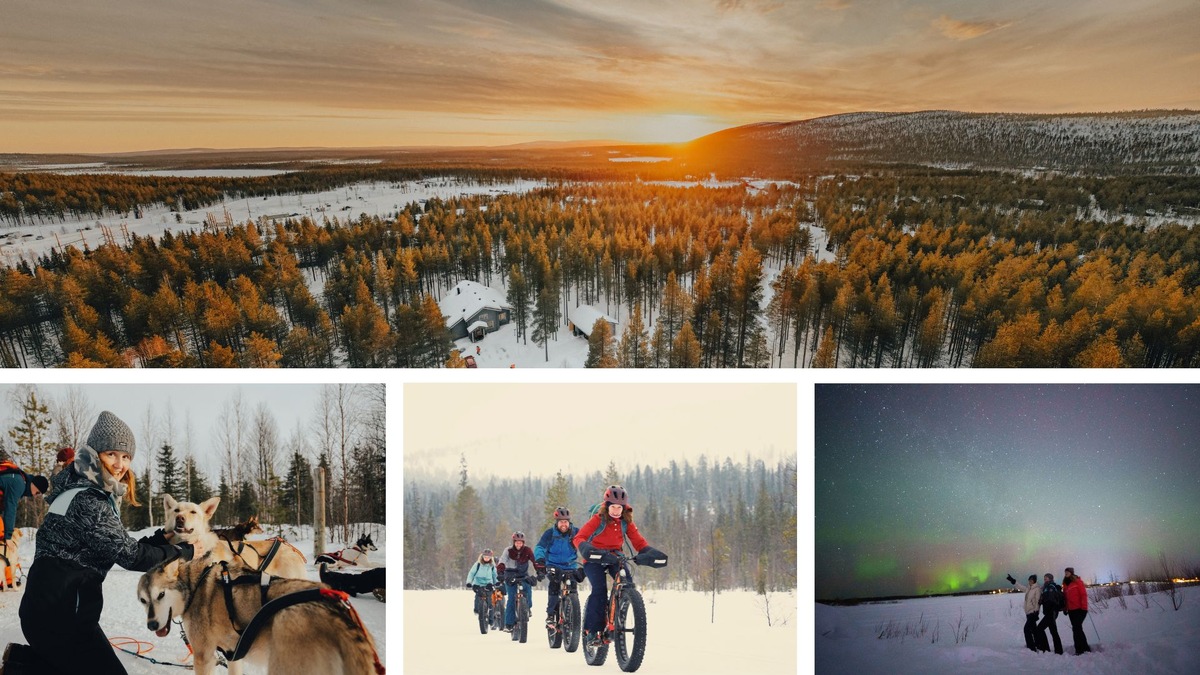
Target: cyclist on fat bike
(513, 567)
(482, 573)
(556, 549)
(607, 530)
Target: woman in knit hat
(80, 540)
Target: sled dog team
(250, 600)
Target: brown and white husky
(314, 637)
(190, 523)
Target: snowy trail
(441, 636)
(123, 616)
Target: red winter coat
(610, 539)
(1076, 594)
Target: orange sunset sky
(122, 75)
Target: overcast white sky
(291, 404)
(520, 429)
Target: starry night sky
(940, 488)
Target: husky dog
(371, 581)
(318, 637)
(10, 556)
(241, 530)
(354, 555)
(190, 525)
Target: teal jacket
(482, 574)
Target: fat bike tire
(522, 627)
(482, 614)
(630, 624)
(571, 620)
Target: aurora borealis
(926, 488)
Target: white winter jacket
(1033, 597)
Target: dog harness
(269, 608)
(265, 560)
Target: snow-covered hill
(1131, 640)
(1137, 142)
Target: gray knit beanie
(110, 433)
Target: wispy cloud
(967, 30)
(554, 69)
(834, 5)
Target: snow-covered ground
(124, 617)
(441, 637)
(382, 199)
(1133, 640)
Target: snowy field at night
(124, 618)
(1137, 639)
(441, 637)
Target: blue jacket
(15, 485)
(557, 549)
(481, 574)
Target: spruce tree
(558, 495)
(170, 480)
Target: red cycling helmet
(518, 535)
(562, 513)
(615, 494)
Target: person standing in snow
(1077, 608)
(1052, 604)
(514, 569)
(557, 549)
(482, 573)
(1033, 597)
(15, 485)
(607, 530)
(80, 540)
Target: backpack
(1053, 598)
(624, 527)
(11, 467)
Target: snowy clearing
(383, 199)
(123, 617)
(1133, 640)
(441, 636)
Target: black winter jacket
(91, 532)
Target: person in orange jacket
(1077, 608)
(607, 530)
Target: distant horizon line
(581, 143)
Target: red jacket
(1076, 594)
(610, 539)
(516, 560)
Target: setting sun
(674, 128)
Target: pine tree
(296, 491)
(32, 436)
(518, 297)
(558, 495)
(197, 488)
(601, 349)
(826, 354)
(170, 480)
(685, 352)
(634, 351)
(546, 316)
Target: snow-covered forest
(726, 524)
(254, 465)
(876, 268)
